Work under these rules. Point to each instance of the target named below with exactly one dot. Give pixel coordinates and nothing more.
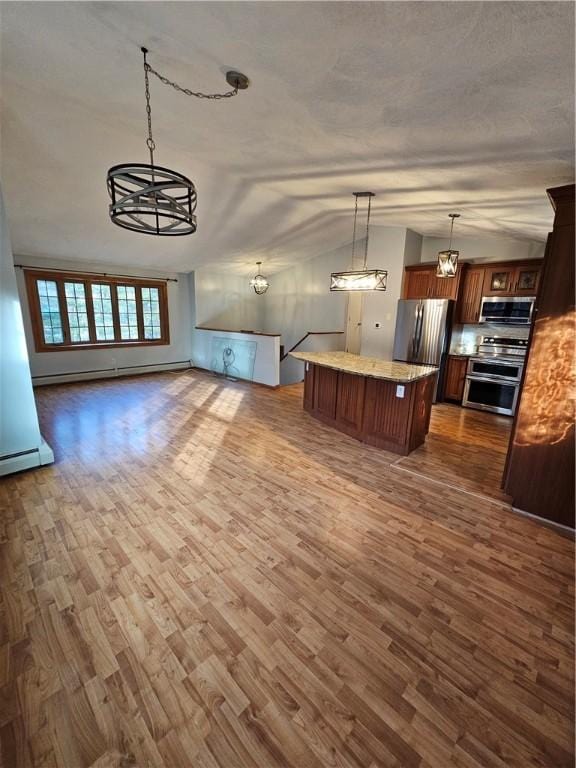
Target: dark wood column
(540, 467)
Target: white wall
(299, 299)
(225, 300)
(51, 367)
(19, 428)
(390, 248)
(483, 249)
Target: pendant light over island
(364, 279)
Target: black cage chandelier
(149, 198)
(448, 260)
(364, 279)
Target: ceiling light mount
(237, 80)
(147, 197)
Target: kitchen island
(383, 403)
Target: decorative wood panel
(350, 402)
(386, 416)
(455, 378)
(468, 308)
(421, 411)
(325, 391)
(309, 386)
(540, 469)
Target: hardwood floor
(209, 577)
(465, 449)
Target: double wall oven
(494, 374)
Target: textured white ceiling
(435, 106)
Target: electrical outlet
(400, 389)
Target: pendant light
(149, 198)
(365, 279)
(448, 260)
(259, 282)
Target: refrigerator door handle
(413, 340)
(418, 330)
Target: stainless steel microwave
(507, 310)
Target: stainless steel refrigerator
(422, 333)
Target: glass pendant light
(364, 279)
(259, 282)
(149, 198)
(448, 260)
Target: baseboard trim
(109, 373)
(36, 457)
(565, 530)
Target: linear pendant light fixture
(149, 198)
(448, 260)
(365, 279)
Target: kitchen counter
(380, 402)
(390, 370)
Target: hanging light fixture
(448, 260)
(149, 198)
(259, 282)
(365, 279)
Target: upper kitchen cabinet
(420, 282)
(527, 280)
(468, 307)
(512, 279)
(417, 282)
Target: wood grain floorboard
(464, 449)
(209, 577)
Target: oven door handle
(493, 381)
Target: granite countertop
(391, 370)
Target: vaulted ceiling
(434, 106)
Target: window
(70, 311)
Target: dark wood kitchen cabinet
(455, 378)
(468, 307)
(420, 282)
(417, 282)
(387, 413)
(512, 279)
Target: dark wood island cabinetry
(385, 404)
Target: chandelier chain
(150, 140)
(187, 91)
(367, 233)
(354, 231)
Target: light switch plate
(400, 389)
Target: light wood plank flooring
(464, 449)
(208, 577)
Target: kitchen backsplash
(465, 338)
